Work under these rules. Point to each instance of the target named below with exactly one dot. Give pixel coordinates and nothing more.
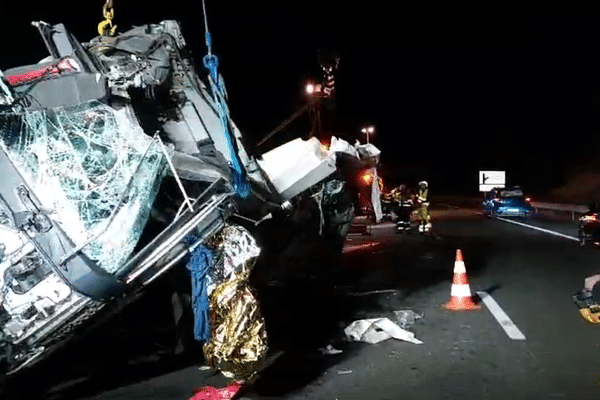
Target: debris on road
(395, 354)
(344, 371)
(406, 318)
(212, 393)
(329, 350)
(377, 330)
(375, 292)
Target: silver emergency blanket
(93, 169)
(238, 343)
(233, 246)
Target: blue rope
(198, 264)
(211, 62)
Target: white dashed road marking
(539, 229)
(505, 322)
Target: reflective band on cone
(460, 294)
(460, 291)
(459, 267)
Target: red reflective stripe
(25, 77)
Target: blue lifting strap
(211, 62)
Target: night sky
(449, 94)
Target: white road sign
(491, 179)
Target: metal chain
(106, 28)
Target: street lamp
(311, 89)
(368, 131)
(314, 95)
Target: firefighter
(423, 211)
(588, 300)
(387, 205)
(403, 207)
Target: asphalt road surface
(529, 274)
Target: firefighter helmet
(591, 314)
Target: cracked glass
(93, 169)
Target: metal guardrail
(566, 208)
(572, 208)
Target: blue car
(506, 202)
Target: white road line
(359, 246)
(505, 322)
(385, 225)
(539, 229)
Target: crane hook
(106, 28)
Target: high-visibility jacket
(402, 197)
(423, 196)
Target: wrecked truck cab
(88, 137)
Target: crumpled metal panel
(94, 170)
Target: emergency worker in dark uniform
(387, 205)
(403, 207)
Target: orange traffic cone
(461, 292)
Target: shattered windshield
(94, 171)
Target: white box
(297, 165)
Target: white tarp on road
(377, 330)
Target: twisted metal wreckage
(87, 138)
